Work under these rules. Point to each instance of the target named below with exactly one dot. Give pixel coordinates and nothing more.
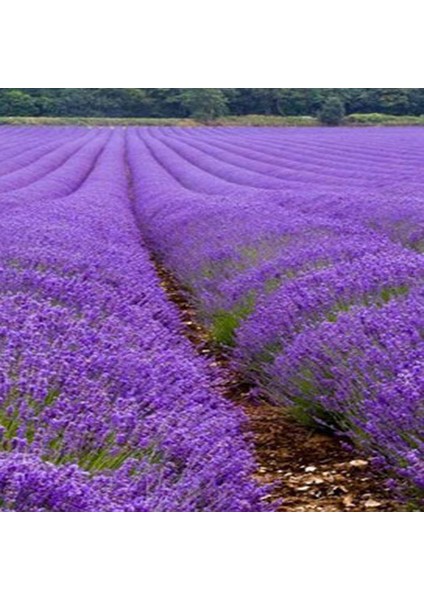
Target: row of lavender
(103, 404)
(300, 248)
(373, 177)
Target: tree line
(208, 103)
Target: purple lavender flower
(299, 247)
(103, 403)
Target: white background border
(211, 556)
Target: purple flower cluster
(104, 406)
(301, 249)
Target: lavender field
(300, 251)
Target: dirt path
(309, 471)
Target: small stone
(372, 503)
(310, 469)
(359, 463)
(348, 501)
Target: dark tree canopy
(205, 103)
(332, 111)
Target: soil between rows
(309, 471)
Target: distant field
(244, 121)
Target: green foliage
(225, 322)
(223, 327)
(98, 121)
(208, 104)
(298, 101)
(267, 121)
(17, 103)
(204, 104)
(383, 119)
(332, 112)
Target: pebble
(359, 463)
(372, 503)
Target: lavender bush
(104, 405)
(301, 249)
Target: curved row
(103, 403)
(320, 302)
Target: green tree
(332, 111)
(165, 102)
(416, 101)
(294, 101)
(204, 104)
(394, 101)
(15, 103)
